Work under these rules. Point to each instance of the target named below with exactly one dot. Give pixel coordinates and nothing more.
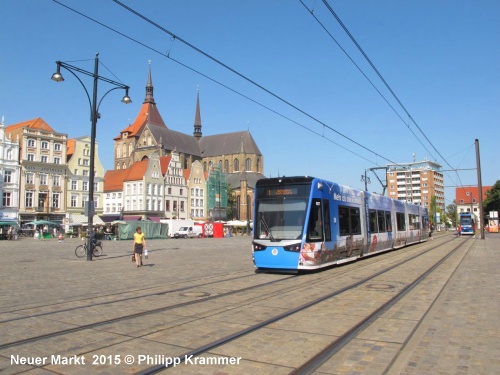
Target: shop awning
(156, 219)
(132, 218)
(79, 219)
(109, 218)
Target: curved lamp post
(94, 115)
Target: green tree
(231, 203)
(492, 202)
(432, 210)
(451, 211)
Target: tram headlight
(294, 248)
(258, 247)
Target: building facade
(10, 171)
(43, 171)
(197, 186)
(77, 181)
(416, 182)
(467, 200)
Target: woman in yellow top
(139, 245)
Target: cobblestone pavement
(46, 289)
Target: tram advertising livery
(303, 223)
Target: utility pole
(480, 188)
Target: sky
(285, 70)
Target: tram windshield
(465, 221)
(280, 211)
(280, 219)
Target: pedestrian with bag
(139, 246)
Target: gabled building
(236, 152)
(467, 200)
(113, 194)
(43, 171)
(197, 188)
(10, 173)
(176, 191)
(77, 188)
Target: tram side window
(355, 221)
(315, 231)
(349, 221)
(344, 220)
(373, 221)
(414, 221)
(388, 221)
(400, 219)
(381, 221)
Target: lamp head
(57, 76)
(126, 99)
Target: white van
(191, 232)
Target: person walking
(139, 245)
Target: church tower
(128, 140)
(197, 119)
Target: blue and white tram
(305, 223)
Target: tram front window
(465, 221)
(280, 219)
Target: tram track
(157, 292)
(322, 277)
(326, 353)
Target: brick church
(235, 154)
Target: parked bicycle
(81, 250)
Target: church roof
(228, 144)
(174, 140)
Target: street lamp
(94, 115)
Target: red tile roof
(164, 163)
(461, 194)
(37, 123)
(70, 147)
(113, 179)
(137, 170)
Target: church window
(118, 152)
(226, 166)
(258, 165)
(248, 165)
(236, 165)
(124, 147)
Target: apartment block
(416, 182)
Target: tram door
(319, 226)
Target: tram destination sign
(282, 191)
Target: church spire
(197, 118)
(149, 88)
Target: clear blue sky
(441, 59)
